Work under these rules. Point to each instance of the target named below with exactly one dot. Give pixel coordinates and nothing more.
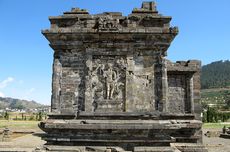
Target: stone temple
(113, 89)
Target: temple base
(128, 132)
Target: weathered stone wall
(133, 72)
(139, 74)
(68, 83)
(196, 90)
(184, 87)
(112, 63)
(84, 57)
(177, 93)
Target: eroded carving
(108, 79)
(107, 23)
(68, 23)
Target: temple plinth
(113, 89)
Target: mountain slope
(216, 75)
(18, 104)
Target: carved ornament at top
(107, 23)
(144, 20)
(77, 11)
(147, 7)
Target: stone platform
(127, 131)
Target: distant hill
(18, 104)
(216, 75)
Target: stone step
(108, 149)
(54, 148)
(155, 149)
(58, 139)
(190, 147)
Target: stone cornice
(143, 20)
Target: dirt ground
(216, 144)
(26, 143)
(30, 141)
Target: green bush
(213, 116)
(6, 116)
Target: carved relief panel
(108, 74)
(107, 23)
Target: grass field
(215, 125)
(18, 125)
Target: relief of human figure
(119, 90)
(97, 86)
(110, 75)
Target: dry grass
(215, 125)
(18, 125)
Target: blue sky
(26, 58)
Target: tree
(40, 116)
(6, 115)
(211, 115)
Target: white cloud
(21, 82)
(31, 90)
(1, 94)
(29, 93)
(5, 82)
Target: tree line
(212, 115)
(24, 116)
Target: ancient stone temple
(113, 89)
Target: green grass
(14, 124)
(214, 125)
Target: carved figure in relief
(119, 90)
(107, 79)
(97, 86)
(110, 77)
(107, 23)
